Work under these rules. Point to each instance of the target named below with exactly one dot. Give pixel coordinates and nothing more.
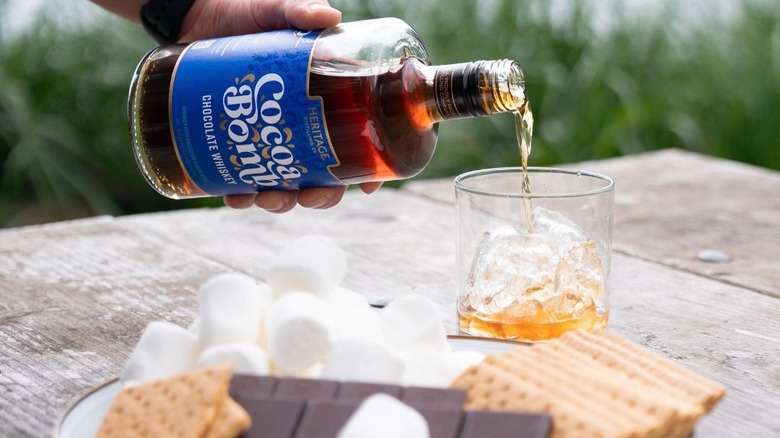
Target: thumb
(312, 14)
(218, 18)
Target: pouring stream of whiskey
(524, 127)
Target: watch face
(162, 18)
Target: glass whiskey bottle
(293, 109)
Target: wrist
(163, 19)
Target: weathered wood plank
(724, 332)
(74, 297)
(669, 205)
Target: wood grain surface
(75, 296)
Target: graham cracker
(184, 405)
(564, 382)
(706, 391)
(665, 412)
(489, 387)
(231, 421)
(594, 384)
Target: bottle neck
(477, 89)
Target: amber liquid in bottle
(372, 125)
(368, 121)
(154, 148)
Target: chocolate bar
(311, 408)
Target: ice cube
(554, 274)
(568, 305)
(557, 226)
(524, 309)
(580, 284)
(509, 266)
(581, 269)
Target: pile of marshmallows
(303, 324)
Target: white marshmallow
(246, 358)
(230, 308)
(343, 296)
(301, 331)
(358, 323)
(313, 372)
(424, 367)
(353, 315)
(383, 416)
(194, 327)
(262, 333)
(413, 321)
(311, 263)
(164, 350)
(362, 360)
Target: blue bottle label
(241, 117)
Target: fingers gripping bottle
(294, 109)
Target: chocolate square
(481, 424)
(247, 384)
(324, 419)
(433, 397)
(443, 423)
(271, 417)
(357, 391)
(306, 389)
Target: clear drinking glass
(533, 266)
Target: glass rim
(461, 185)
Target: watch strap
(162, 18)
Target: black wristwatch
(162, 18)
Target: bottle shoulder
(367, 48)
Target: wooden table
(75, 296)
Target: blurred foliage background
(603, 79)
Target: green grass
(64, 144)
(648, 83)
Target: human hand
(280, 201)
(218, 18)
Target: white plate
(482, 345)
(83, 418)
